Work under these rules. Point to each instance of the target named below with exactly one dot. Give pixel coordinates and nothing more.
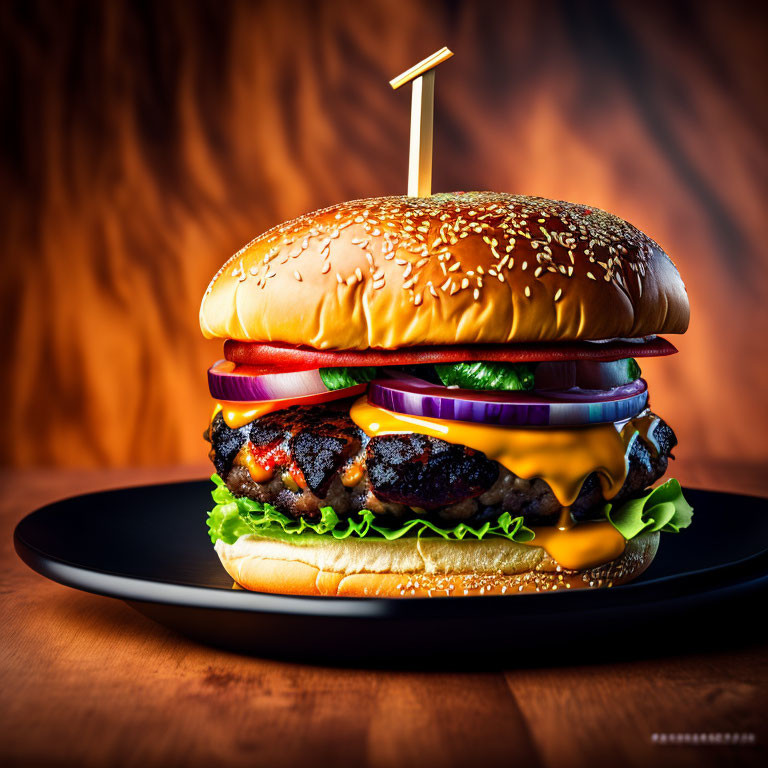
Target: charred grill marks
(226, 443)
(426, 472)
(319, 458)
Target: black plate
(149, 547)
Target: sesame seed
(326, 267)
(378, 284)
(476, 294)
(297, 275)
(358, 273)
(408, 271)
(409, 283)
(591, 276)
(464, 283)
(558, 293)
(527, 292)
(454, 267)
(445, 285)
(537, 271)
(417, 299)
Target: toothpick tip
(417, 70)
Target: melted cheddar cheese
(237, 415)
(563, 457)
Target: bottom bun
(417, 567)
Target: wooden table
(86, 681)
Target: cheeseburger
(441, 396)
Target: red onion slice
(513, 409)
(580, 395)
(228, 381)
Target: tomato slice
(271, 357)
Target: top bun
(458, 268)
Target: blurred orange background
(144, 143)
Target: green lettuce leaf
(233, 517)
(509, 377)
(224, 521)
(338, 378)
(660, 509)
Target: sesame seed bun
(418, 567)
(460, 268)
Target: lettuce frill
(661, 509)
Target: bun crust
(356, 568)
(460, 268)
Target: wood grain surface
(86, 681)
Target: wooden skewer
(422, 121)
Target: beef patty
(303, 458)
